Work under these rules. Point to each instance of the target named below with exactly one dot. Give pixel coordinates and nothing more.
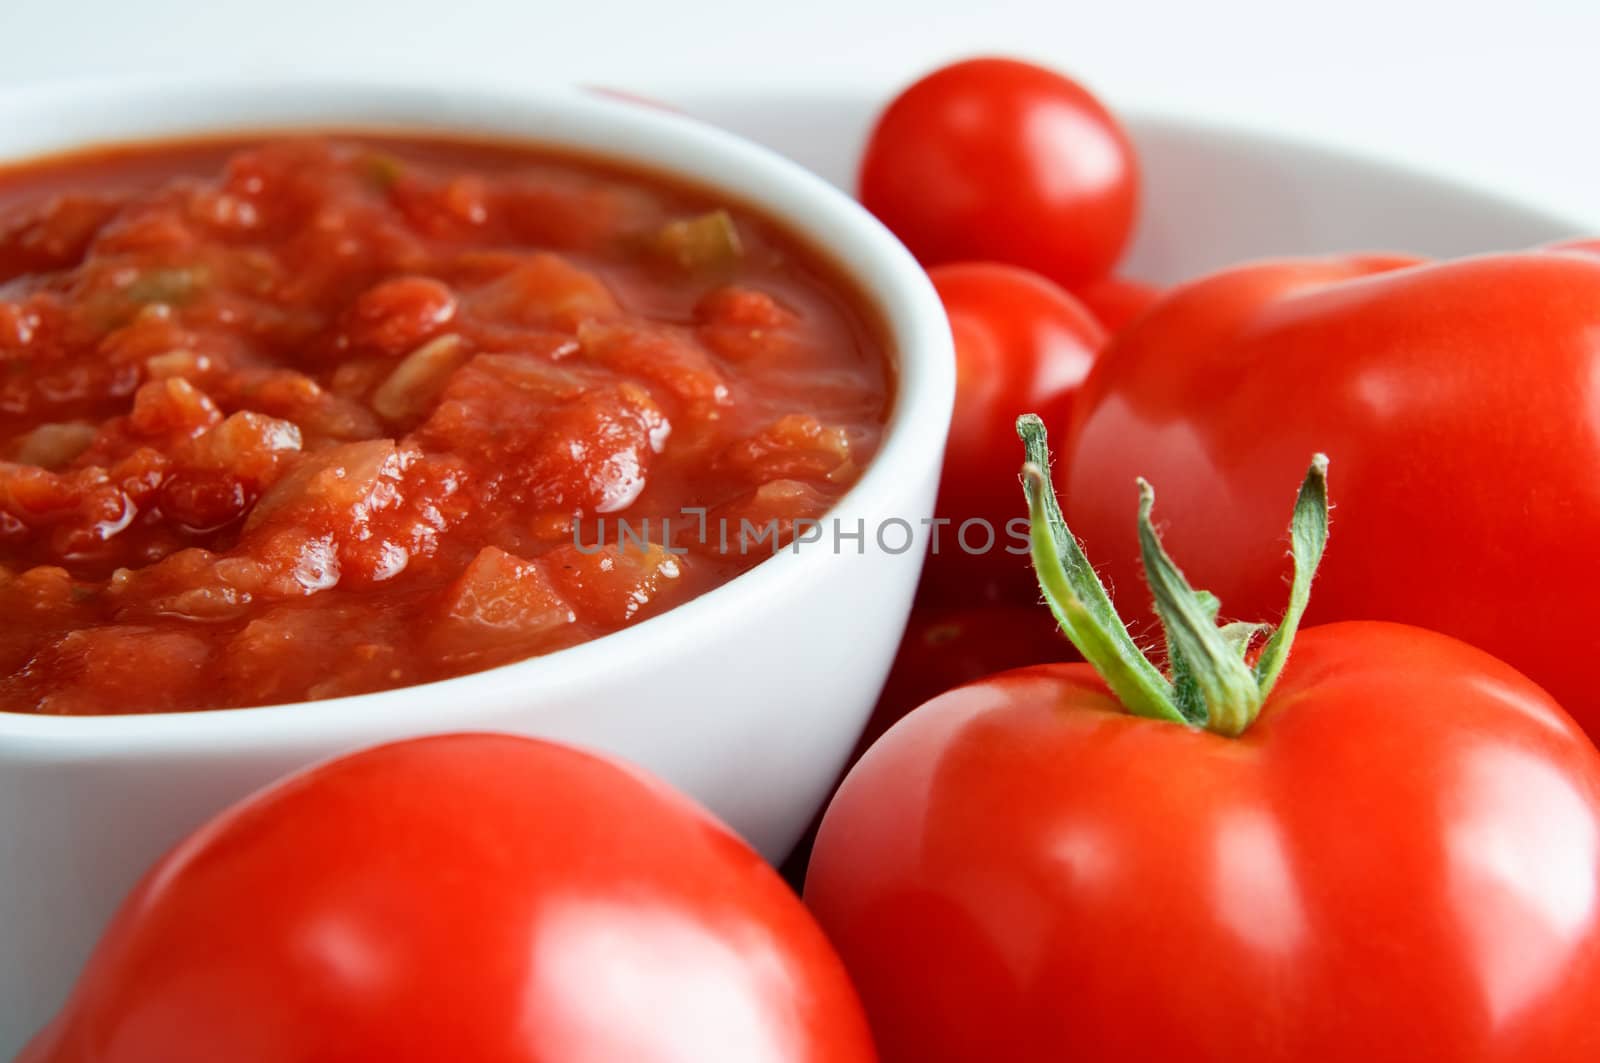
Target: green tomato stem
(1226, 685)
(1077, 597)
(1308, 538)
(1185, 687)
(1211, 685)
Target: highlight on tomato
(1357, 841)
(466, 897)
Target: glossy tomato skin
(468, 897)
(1455, 401)
(1004, 160)
(1023, 345)
(1399, 861)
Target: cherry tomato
(1116, 301)
(1387, 849)
(1458, 399)
(468, 897)
(1022, 343)
(1003, 160)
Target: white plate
(1213, 196)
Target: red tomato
(1457, 399)
(997, 159)
(1022, 343)
(1398, 862)
(1116, 301)
(1396, 859)
(468, 897)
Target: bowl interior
(1213, 195)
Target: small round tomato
(998, 159)
(1116, 301)
(1022, 343)
(466, 897)
(1372, 842)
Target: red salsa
(299, 418)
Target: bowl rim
(1144, 122)
(47, 118)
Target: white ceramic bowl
(748, 697)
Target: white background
(1501, 95)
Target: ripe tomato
(468, 897)
(1456, 398)
(998, 159)
(1399, 860)
(1116, 301)
(1022, 343)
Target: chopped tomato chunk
(552, 438)
(501, 607)
(616, 582)
(796, 447)
(545, 289)
(665, 358)
(134, 669)
(394, 316)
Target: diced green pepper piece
(173, 286)
(703, 243)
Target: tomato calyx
(1209, 682)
